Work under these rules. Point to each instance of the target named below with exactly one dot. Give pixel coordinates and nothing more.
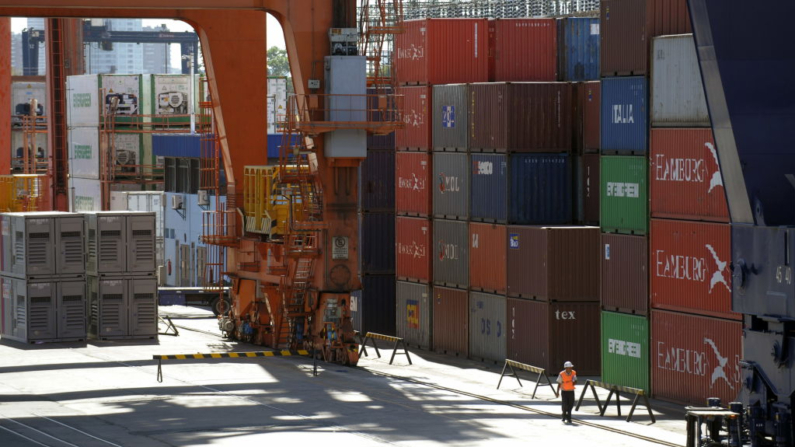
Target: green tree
(279, 65)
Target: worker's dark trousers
(567, 401)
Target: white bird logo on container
(717, 179)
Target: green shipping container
(624, 194)
(625, 350)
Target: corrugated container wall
(578, 49)
(451, 321)
(627, 27)
(695, 357)
(450, 117)
(591, 100)
(685, 178)
(553, 263)
(625, 274)
(451, 253)
(416, 135)
(588, 189)
(414, 308)
(356, 310)
(442, 51)
(690, 267)
(677, 93)
(521, 117)
(624, 117)
(379, 141)
(487, 327)
(376, 308)
(177, 145)
(377, 181)
(413, 183)
(451, 186)
(413, 249)
(548, 334)
(625, 350)
(375, 248)
(623, 195)
(489, 188)
(487, 257)
(539, 189)
(524, 50)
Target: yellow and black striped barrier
(615, 389)
(514, 365)
(372, 336)
(222, 355)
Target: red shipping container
(686, 182)
(413, 249)
(548, 334)
(413, 183)
(524, 50)
(690, 267)
(625, 274)
(487, 257)
(695, 357)
(451, 321)
(442, 51)
(591, 101)
(417, 117)
(627, 27)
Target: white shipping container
(84, 152)
(277, 102)
(82, 102)
(85, 195)
(171, 94)
(677, 91)
(22, 93)
(128, 151)
(39, 151)
(131, 90)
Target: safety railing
(314, 114)
(614, 391)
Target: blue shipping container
(177, 145)
(373, 307)
(381, 107)
(540, 189)
(377, 181)
(275, 141)
(489, 188)
(578, 49)
(377, 243)
(624, 120)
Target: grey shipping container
(373, 307)
(487, 327)
(28, 245)
(414, 317)
(553, 263)
(43, 310)
(451, 186)
(122, 308)
(377, 243)
(141, 253)
(120, 242)
(677, 93)
(451, 253)
(450, 117)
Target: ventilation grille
(38, 248)
(69, 298)
(144, 296)
(112, 296)
(74, 313)
(19, 246)
(111, 313)
(109, 247)
(73, 251)
(146, 312)
(92, 243)
(145, 249)
(40, 315)
(40, 300)
(22, 315)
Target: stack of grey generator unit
(43, 277)
(122, 284)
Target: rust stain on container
(553, 263)
(416, 135)
(524, 49)
(691, 267)
(695, 357)
(487, 257)
(625, 274)
(548, 334)
(451, 321)
(413, 183)
(413, 249)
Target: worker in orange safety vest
(566, 380)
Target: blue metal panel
(377, 243)
(624, 115)
(578, 51)
(377, 181)
(177, 145)
(377, 305)
(275, 141)
(540, 189)
(489, 188)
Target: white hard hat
(568, 365)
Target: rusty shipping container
(413, 185)
(524, 50)
(625, 274)
(695, 357)
(487, 327)
(677, 93)
(627, 27)
(450, 117)
(548, 334)
(451, 253)
(553, 263)
(690, 267)
(685, 178)
(487, 257)
(451, 321)
(521, 117)
(591, 104)
(414, 308)
(588, 189)
(416, 135)
(451, 186)
(413, 249)
(442, 51)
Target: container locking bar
(533, 369)
(372, 336)
(616, 389)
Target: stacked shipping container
(35, 137)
